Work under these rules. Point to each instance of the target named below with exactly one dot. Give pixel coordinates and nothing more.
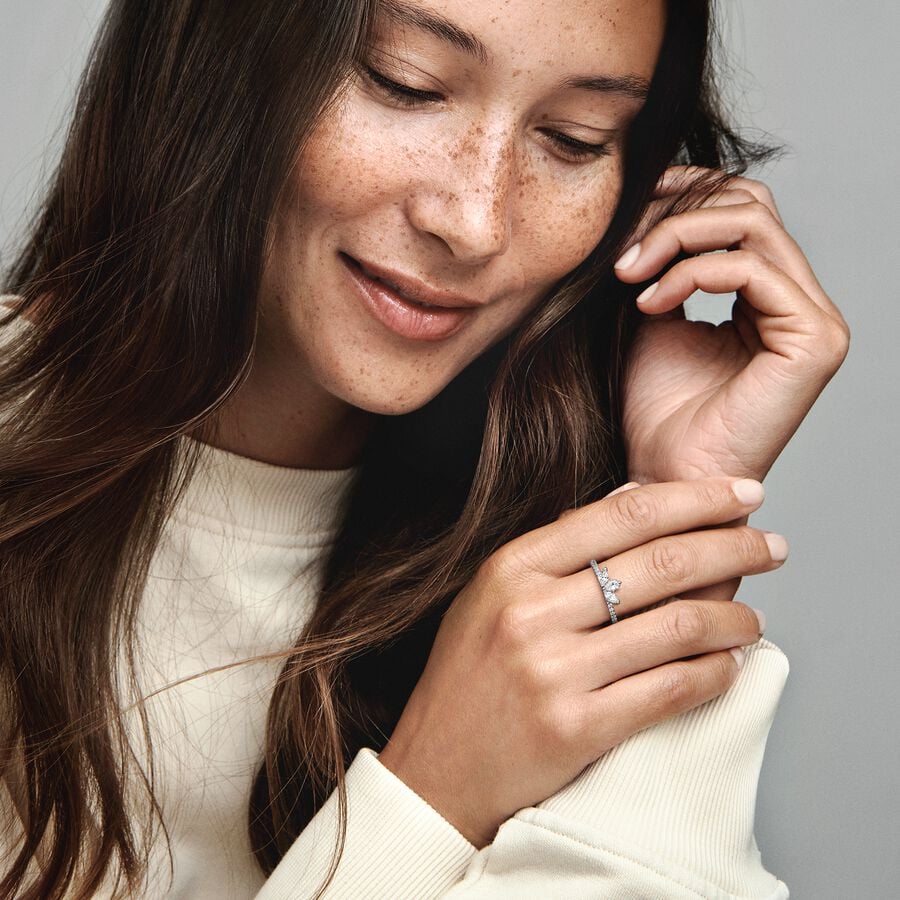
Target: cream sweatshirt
(666, 814)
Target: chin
(384, 404)
(387, 397)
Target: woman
(285, 244)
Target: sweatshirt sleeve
(667, 813)
(397, 846)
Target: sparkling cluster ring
(609, 586)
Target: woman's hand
(523, 689)
(705, 400)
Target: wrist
(448, 804)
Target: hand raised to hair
(702, 399)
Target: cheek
(340, 172)
(359, 163)
(359, 168)
(560, 221)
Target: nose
(464, 200)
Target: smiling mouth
(393, 286)
(411, 289)
(406, 306)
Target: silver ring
(609, 586)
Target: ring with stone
(609, 586)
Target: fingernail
(762, 619)
(624, 487)
(647, 294)
(748, 491)
(629, 257)
(738, 654)
(778, 546)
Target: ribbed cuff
(397, 846)
(685, 789)
(538, 855)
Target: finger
(682, 179)
(710, 227)
(724, 591)
(675, 631)
(618, 490)
(760, 191)
(629, 519)
(615, 712)
(738, 225)
(625, 487)
(746, 320)
(662, 568)
(659, 210)
(767, 288)
(807, 344)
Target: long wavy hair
(140, 276)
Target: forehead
(620, 36)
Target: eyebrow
(633, 86)
(404, 14)
(629, 85)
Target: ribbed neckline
(248, 494)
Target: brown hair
(141, 273)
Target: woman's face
(474, 161)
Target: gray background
(822, 77)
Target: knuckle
(763, 192)
(747, 619)
(743, 194)
(635, 510)
(506, 564)
(839, 342)
(670, 561)
(678, 685)
(761, 213)
(750, 546)
(754, 260)
(669, 229)
(687, 625)
(723, 672)
(758, 189)
(713, 497)
(548, 672)
(556, 724)
(515, 627)
(683, 272)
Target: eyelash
(403, 95)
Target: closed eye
(404, 95)
(401, 93)
(575, 149)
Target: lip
(413, 289)
(395, 299)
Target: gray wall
(821, 76)
(826, 76)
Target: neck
(289, 422)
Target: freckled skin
(467, 195)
